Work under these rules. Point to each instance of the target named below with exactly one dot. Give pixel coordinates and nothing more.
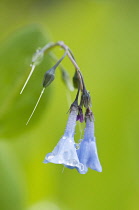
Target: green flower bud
(49, 77)
(76, 81)
(50, 74)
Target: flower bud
(50, 74)
(49, 77)
(76, 81)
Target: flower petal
(88, 156)
(64, 153)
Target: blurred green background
(104, 37)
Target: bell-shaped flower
(87, 152)
(65, 152)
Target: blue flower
(65, 152)
(87, 152)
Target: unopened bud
(50, 74)
(49, 77)
(76, 81)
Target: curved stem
(70, 56)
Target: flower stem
(70, 56)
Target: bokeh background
(104, 37)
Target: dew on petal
(50, 157)
(77, 146)
(81, 166)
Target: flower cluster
(67, 152)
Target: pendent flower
(87, 152)
(65, 151)
(83, 155)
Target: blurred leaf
(15, 59)
(11, 187)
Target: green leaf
(15, 59)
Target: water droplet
(77, 146)
(49, 157)
(70, 140)
(81, 166)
